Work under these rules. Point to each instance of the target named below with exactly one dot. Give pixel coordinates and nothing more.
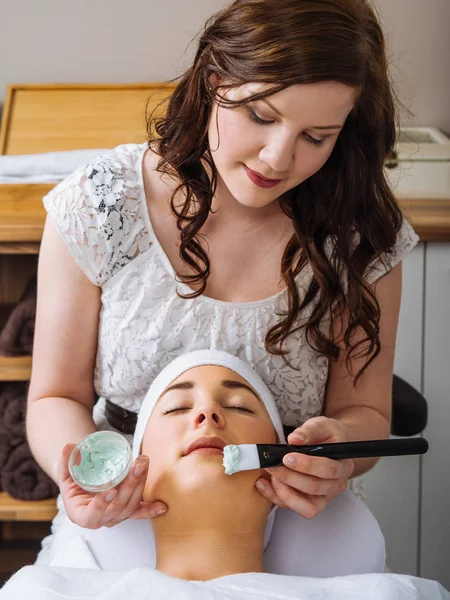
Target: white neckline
(168, 265)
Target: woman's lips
(206, 451)
(259, 180)
(205, 444)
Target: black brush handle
(271, 455)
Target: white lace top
(101, 213)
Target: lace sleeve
(97, 212)
(406, 240)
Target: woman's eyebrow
(326, 127)
(231, 384)
(313, 127)
(271, 106)
(182, 385)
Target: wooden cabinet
(51, 118)
(18, 263)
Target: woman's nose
(210, 415)
(279, 155)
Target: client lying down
(210, 543)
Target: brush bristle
(248, 459)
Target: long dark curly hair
(347, 205)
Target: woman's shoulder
(380, 265)
(406, 240)
(99, 212)
(104, 178)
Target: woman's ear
(214, 80)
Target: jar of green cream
(100, 461)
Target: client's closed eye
(176, 409)
(241, 408)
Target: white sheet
(76, 555)
(57, 583)
(48, 167)
(63, 581)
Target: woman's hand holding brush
(306, 484)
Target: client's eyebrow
(183, 385)
(229, 384)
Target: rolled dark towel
(16, 338)
(7, 445)
(13, 401)
(24, 479)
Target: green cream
(104, 459)
(231, 459)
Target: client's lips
(205, 443)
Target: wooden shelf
(12, 509)
(15, 368)
(22, 217)
(20, 248)
(22, 214)
(430, 217)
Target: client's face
(201, 411)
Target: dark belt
(125, 420)
(120, 418)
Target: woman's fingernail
(275, 482)
(140, 467)
(260, 486)
(298, 438)
(290, 460)
(110, 495)
(161, 511)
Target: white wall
(98, 40)
(52, 41)
(418, 33)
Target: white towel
(48, 167)
(47, 583)
(77, 554)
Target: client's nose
(210, 415)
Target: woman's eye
(175, 409)
(242, 409)
(314, 141)
(254, 117)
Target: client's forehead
(209, 375)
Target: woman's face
(199, 413)
(286, 137)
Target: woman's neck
(206, 554)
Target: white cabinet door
(435, 521)
(392, 487)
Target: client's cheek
(149, 489)
(161, 478)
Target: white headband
(199, 358)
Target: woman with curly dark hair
(257, 220)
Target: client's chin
(199, 486)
